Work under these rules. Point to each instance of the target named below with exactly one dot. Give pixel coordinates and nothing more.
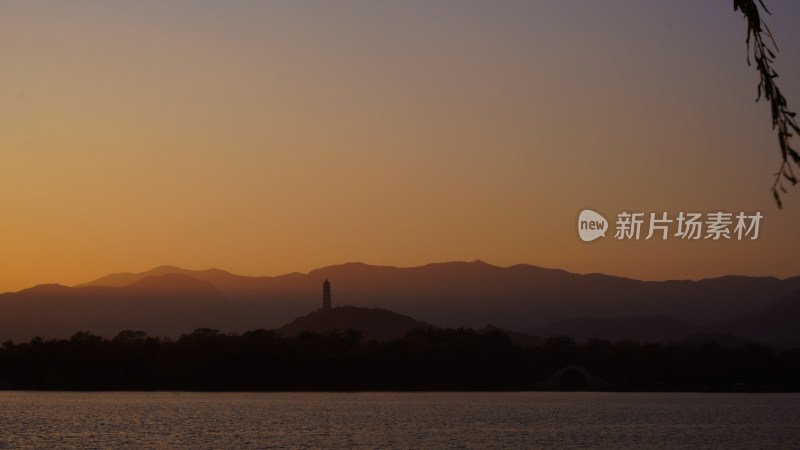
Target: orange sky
(271, 137)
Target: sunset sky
(272, 137)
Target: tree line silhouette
(425, 359)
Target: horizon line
(476, 261)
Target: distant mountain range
(168, 301)
(777, 324)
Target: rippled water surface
(516, 419)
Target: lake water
(513, 419)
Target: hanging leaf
(782, 117)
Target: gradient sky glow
(272, 137)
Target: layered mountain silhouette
(168, 301)
(778, 324)
(159, 304)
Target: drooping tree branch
(782, 118)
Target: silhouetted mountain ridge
(172, 282)
(451, 294)
(46, 289)
(778, 323)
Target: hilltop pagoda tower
(326, 294)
